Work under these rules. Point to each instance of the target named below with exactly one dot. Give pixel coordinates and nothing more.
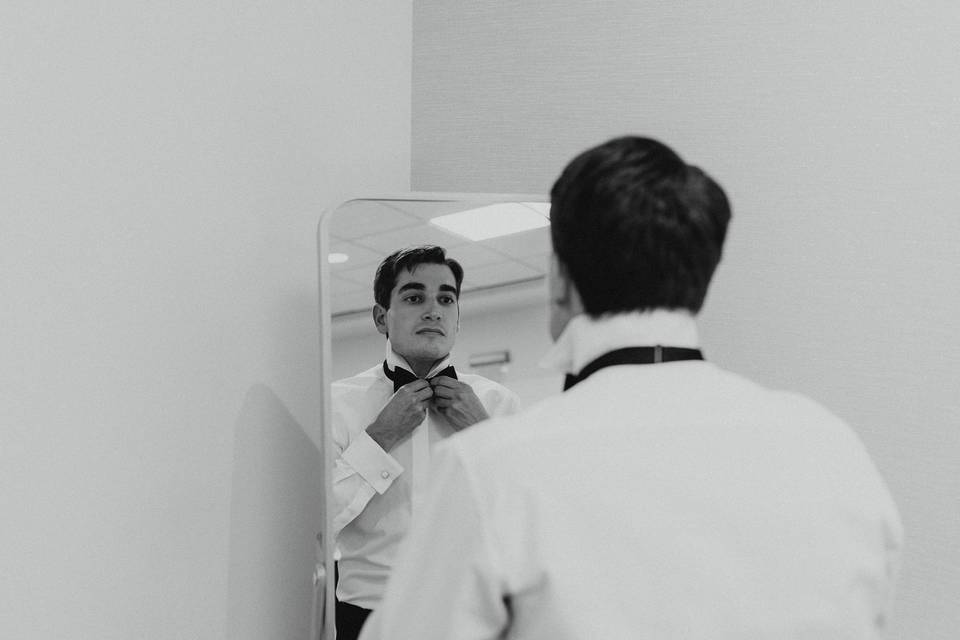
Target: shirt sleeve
(447, 583)
(509, 405)
(362, 468)
(500, 401)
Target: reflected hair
(407, 260)
(636, 228)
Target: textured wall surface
(163, 166)
(833, 128)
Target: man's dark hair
(408, 259)
(636, 228)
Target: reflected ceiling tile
(390, 241)
(526, 243)
(425, 209)
(364, 217)
(492, 220)
(341, 286)
(501, 273)
(474, 255)
(540, 262)
(361, 276)
(358, 255)
(353, 302)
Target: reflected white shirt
(375, 492)
(673, 500)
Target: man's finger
(445, 381)
(423, 394)
(416, 385)
(444, 392)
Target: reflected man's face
(424, 314)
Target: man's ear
(565, 302)
(563, 293)
(576, 303)
(380, 319)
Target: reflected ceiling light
(337, 258)
(495, 220)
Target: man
(386, 418)
(659, 496)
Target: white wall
(834, 128)
(162, 168)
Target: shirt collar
(395, 360)
(584, 339)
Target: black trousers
(350, 619)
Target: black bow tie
(401, 376)
(633, 355)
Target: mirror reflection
(452, 335)
(363, 232)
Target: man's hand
(457, 402)
(404, 413)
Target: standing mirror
(503, 243)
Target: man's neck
(422, 368)
(586, 338)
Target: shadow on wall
(275, 514)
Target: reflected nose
(433, 312)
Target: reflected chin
(434, 348)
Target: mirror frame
(323, 623)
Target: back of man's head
(408, 259)
(636, 228)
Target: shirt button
(384, 474)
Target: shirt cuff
(374, 465)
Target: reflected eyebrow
(418, 286)
(411, 285)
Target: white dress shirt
(660, 501)
(375, 492)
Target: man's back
(662, 500)
(668, 501)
